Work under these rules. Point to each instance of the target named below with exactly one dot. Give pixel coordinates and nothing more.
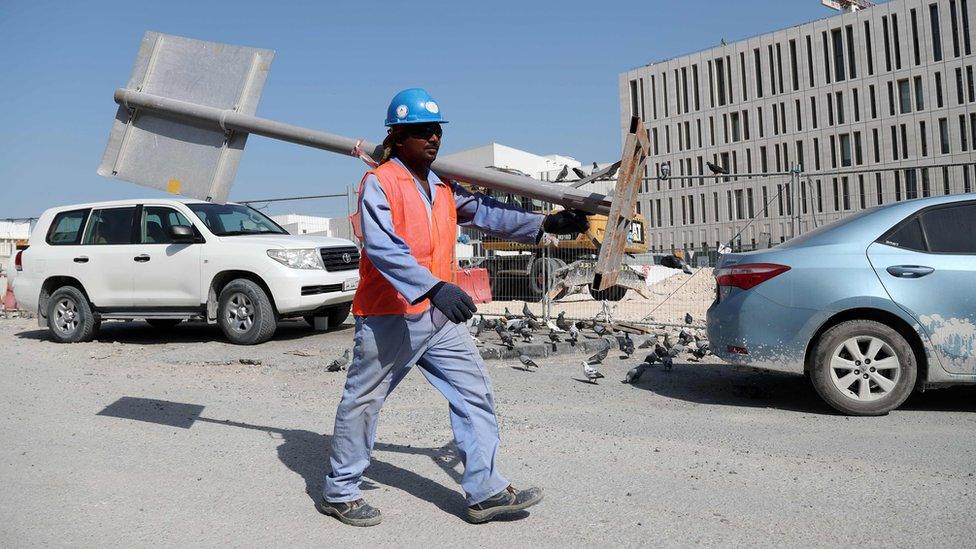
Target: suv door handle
(909, 271)
(81, 259)
(141, 258)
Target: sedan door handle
(142, 258)
(81, 259)
(909, 271)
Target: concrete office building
(872, 106)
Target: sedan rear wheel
(863, 367)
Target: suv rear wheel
(863, 368)
(245, 314)
(70, 318)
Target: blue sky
(539, 76)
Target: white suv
(166, 261)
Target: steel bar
(229, 120)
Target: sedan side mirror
(182, 234)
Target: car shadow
(140, 333)
(722, 384)
(306, 453)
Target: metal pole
(230, 120)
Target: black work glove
(566, 222)
(454, 302)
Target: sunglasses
(423, 131)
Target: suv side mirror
(181, 234)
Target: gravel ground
(150, 440)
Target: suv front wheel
(69, 316)
(245, 314)
(863, 368)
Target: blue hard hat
(413, 106)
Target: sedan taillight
(748, 275)
(19, 261)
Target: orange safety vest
(431, 241)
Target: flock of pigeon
(528, 326)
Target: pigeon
(514, 325)
(527, 313)
(526, 335)
(600, 329)
(598, 357)
(508, 314)
(527, 362)
(716, 169)
(579, 173)
(554, 337)
(505, 336)
(475, 328)
(648, 343)
(591, 373)
(668, 363)
(573, 334)
(533, 324)
(684, 337)
(339, 363)
(652, 358)
(561, 321)
(628, 345)
(660, 350)
(686, 269)
(667, 341)
(487, 323)
(688, 318)
(562, 173)
(676, 350)
(635, 373)
(701, 349)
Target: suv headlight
(304, 258)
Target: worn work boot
(353, 513)
(507, 501)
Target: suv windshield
(235, 219)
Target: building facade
(865, 107)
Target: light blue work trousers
(386, 347)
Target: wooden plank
(636, 149)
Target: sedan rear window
(951, 230)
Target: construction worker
(408, 311)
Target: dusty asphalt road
(702, 456)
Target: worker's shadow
(307, 453)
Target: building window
(972, 126)
(969, 84)
(904, 142)
(851, 52)
(830, 109)
(874, 103)
(664, 89)
(745, 125)
(779, 197)
(728, 74)
(763, 163)
(858, 157)
(836, 195)
(845, 150)
(846, 189)
(775, 122)
(779, 66)
(919, 99)
(963, 131)
(757, 62)
(813, 111)
(938, 90)
(911, 184)
(926, 184)
(936, 32)
(877, 186)
(799, 153)
(816, 153)
(838, 42)
(840, 107)
(819, 197)
(809, 61)
(725, 128)
(860, 184)
(868, 50)
(759, 121)
(833, 152)
(793, 66)
(826, 55)
(965, 27)
(654, 97)
(799, 116)
(667, 139)
(677, 94)
(915, 50)
(633, 98)
(891, 99)
(711, 130)
(694, 82)
(782, 116)
(944, 135)
(955, 28)
(894, 142)
(923, 138)
(736, 133)
(894, 30)
(887, 42)
(720, 81)
(857, 105)
(904, 96)
(698, 123)
(742, 69)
